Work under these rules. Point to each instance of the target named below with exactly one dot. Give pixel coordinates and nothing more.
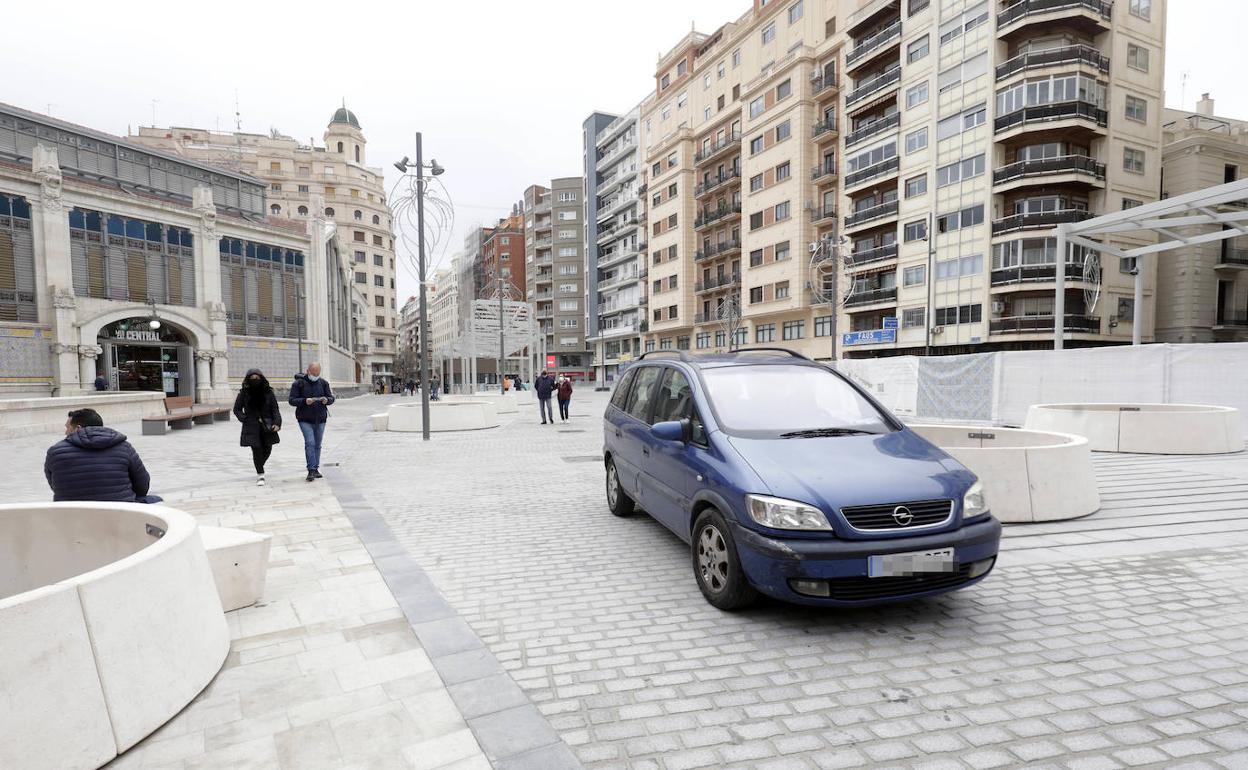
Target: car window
(675, 401)
(698, 434)
(620, 397)
(772, 399)
(644, 385)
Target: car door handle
(617, 433)
(645, 451)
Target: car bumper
(771, 564)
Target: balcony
(823, 82)
(619, 280)
(627, 143)
(717, 181)
(732, 139)
(719, 249)
(1048, 11)
(543, 243)
(1066, 164)
(1048, 113)
(1079, 324)
(708, 218)
(875, 85)
(825, 126)
(872, 297)
(873, 44)
(870, 215)
(717, 282)
(878, 127)
(614, 229)
(1040, 220)
(1231, 321)
(546, 260)
(1034, 274)
(887, 168)
(825, 213)
(823, 170)
(607, 183)
(541, 295)
(1235, 259)
(871, 256)
(1071, 54)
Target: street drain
(582, 459)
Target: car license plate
(912, 563)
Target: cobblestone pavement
(1119, 640)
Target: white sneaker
(260, 481)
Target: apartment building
(554, 240)
(502, 258)
(615, 241)
(739, 139)
(1205, 296)
(354, 199)
(972, 128)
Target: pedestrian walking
(93, 462)
(101, 384)
(564, 392)
(543, 386)
(411, 387)
(256, 408)
(506, 383)
(311, 396)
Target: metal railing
(871, 297)
(718, 282)
(1232, 319)
(717, 181)
(1080, 324)
(1231, 256)
(1024, 8)
(1039, 219)
(823, 82)
(717, 147)
(875, 212)
(1034, 274)
(871, 256)
(716, 249)
(710, 217)
(889, 166)
(1066, 164)
(822, 170)
(824, 126)
(826, 212)
(1070, 54)
(876, 84)
(868, 131)
(1044, 113)
(874, 43)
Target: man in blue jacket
(311, 397)
(543, 386)
(96, 463)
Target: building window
(795, 12)
(956, 124)
(303, 211)
(794, 330)
(379, 260)
(765, 333)
(275, 209)
(916, 95)
(915, 231)
(756, 295)
(703, 340)
(1131, 203)
(964, 72)
(377, 240)
(913, 317)
(769, 33)
(720, 71)
(756, 145)
(782, 251)
(783, 171)
(916, 140)
(361, 257)
(682, 99)
(671, 312)
(960, 267)
(756, 220)
(968, 217)
(782, 290)
(1133, 160)
(756, 257)
(358, 215)
(379, 280)
(823, 326)
(917, 50)
(757, 106)
(736, 58)
(914, 276)
(756, 183)
(1137, 108)
(916, 185)
(782, 211)
(357, 153)
(379, 300)
(957, 172)
(682, 343)
(784, 90)
(1137, 57)
(783, 131)
(275, 187)
(1141, 8)
(361, 277)
(964, 314)
(665, 343)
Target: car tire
(618, 502)
(716, 565)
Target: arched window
(357, 153)
(275, 209)
(340, 148)
(329, 212)
(376, 219)
(359, 214)
(303, 211)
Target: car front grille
(880, 517)
(857, 589)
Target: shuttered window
(17, 261)
(259, 285)
(130, 260)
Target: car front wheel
(619, 502)
(716, 565)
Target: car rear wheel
(716, 565)
(619, 502)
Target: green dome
(343, 115)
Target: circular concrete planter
(110, 623)
(444, 415)
(1166, 429)
(1028, 475)
(504, 403)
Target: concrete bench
(381, 422)
(238, 558)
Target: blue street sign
(869, 337)
(890, 322)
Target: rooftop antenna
(238, 116)
(1183, 89)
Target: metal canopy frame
(1224, 206)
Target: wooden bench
(178, 413)
(207, 414)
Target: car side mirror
(672, 430)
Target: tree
(407, 366)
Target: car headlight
(973, 503)
(779, 513)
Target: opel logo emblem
(902, 515)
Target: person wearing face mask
(311, 396)
(256, 408)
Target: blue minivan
(788, 479)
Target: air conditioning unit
(815, 75)
(937, 330)
(998, 307)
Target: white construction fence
(997, 388)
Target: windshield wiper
(827, 432)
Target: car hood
(838, 471)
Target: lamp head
(154, 324)
(402, 165)
(435, 169)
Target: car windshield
(803, 401)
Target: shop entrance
(138, 357)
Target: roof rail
(793, 353)
(678, 354)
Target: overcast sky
(498, 88)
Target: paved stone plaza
(470, 601)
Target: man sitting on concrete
(96, 463)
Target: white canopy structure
(1212, 214)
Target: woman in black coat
(256, 408)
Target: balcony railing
(828, 124)
(717, 249)
(732, 138)
(873, 213)
(1045, 113)
(711, 217)
(871, 256)
(1039, 219)
(615, 227)
(542, 243)
(874, 43)
(1080, 324)
(827, 211)
(822, 170)
(716, 181)
(1034, 274)
(889, 166)
(871, 297)
(718, 282)
(1071, 54)
(1239, 320)
(823, 82)
(1025, 8)
(868, 131)
(876, 84)
(1066, 164)
(1235, 257)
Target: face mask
(313, 377)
